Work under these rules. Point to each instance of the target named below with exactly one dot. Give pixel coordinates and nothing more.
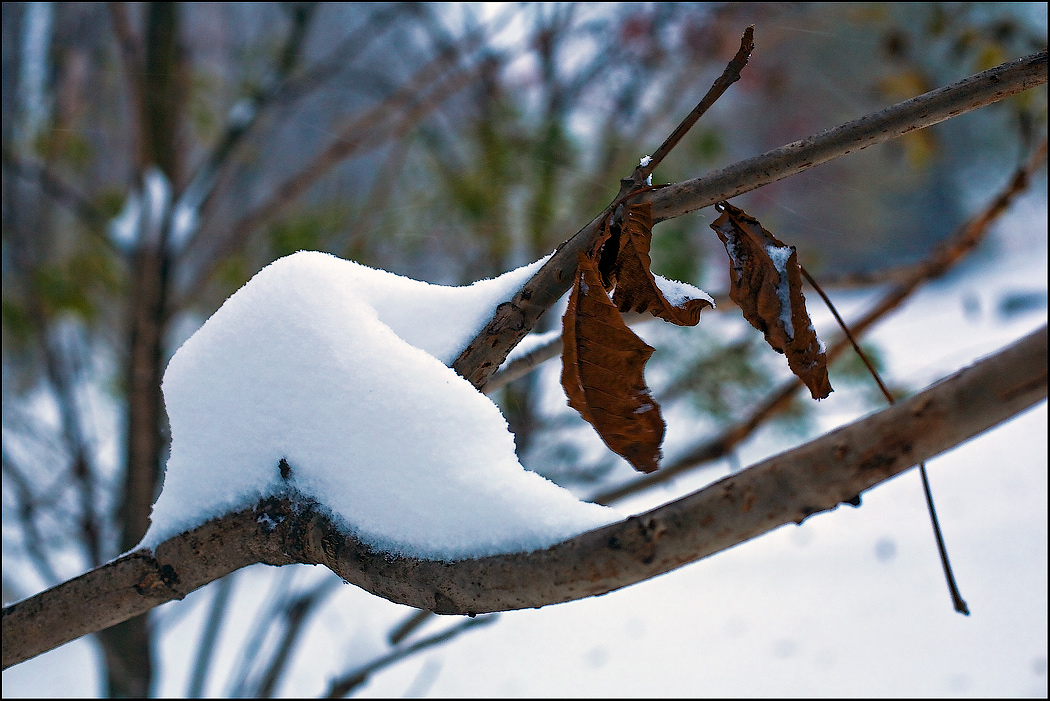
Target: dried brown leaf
(636, 288)
(602, 372)
(766, 282)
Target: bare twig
(245, 116)
(730, 75)
(265, 619)
(919, 112)
(406, 627)
(133, 64)
(27, 515)
(778, 490)
(342, 686)
(216, 613)
(296, 615)
(381, 123)
(60, 192)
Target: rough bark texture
(782, 489)
(786, 488)
(137, 582)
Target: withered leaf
(602, 372)
(636, 288)
(766, 282)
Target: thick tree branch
(786, 488)
(135, 583)
(515, 318)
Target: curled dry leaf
(766, 282)
(636, 288)
(603, 361)
(602, 372)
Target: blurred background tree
(157, 155)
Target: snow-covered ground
(849, 603)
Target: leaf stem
(949, 576)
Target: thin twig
(133, 64)
(213, 623)
(27, 515)
(296, 615)
(265, 619)
(243, 119)
(342, 686)
(60, 192)
(730, 75)
(406, 627)
(920, 112)
(376, 126)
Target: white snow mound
(340, 370)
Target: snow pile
(339, 370)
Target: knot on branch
(160, 580)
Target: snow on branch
(786, 488)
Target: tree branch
(728, 77)
(786, 488)
(964, 240)
(919, 112)
(515, 318)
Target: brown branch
(26, 506)
(965, 239)
(133, 64)
(62, 193)
(919, 112)
(513, 319)
(135, 583)
(783, 489)
(217, 611)
(296, 614)
(406, 627)
(907, 278)
(730, 75)
(786, 488)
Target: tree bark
(786, 488)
